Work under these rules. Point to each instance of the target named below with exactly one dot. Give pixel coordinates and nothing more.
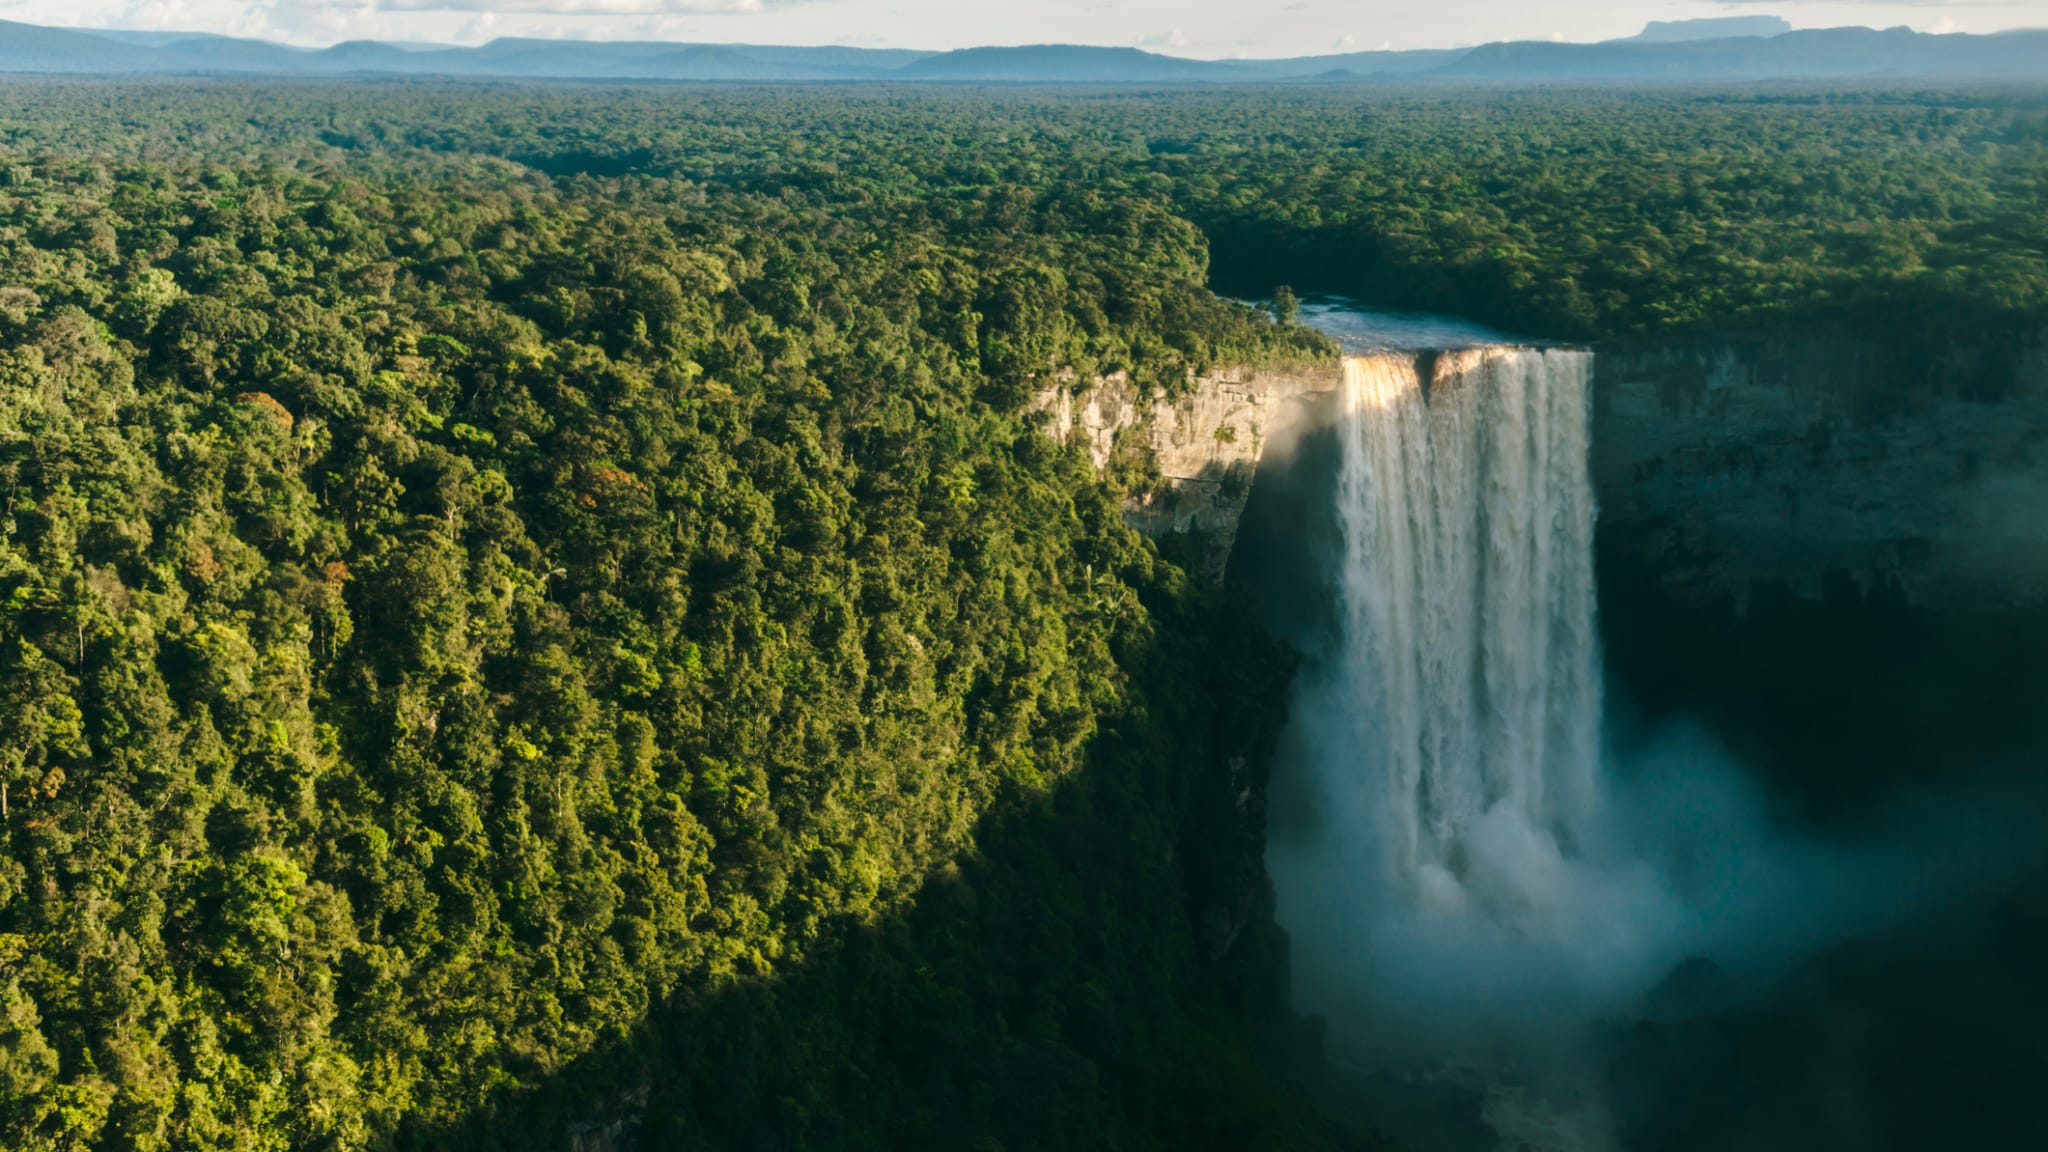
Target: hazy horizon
(1201, 29)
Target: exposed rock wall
(1208, 442)
(1725, 466)
(1829, 552)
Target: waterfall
(1468, 646)
(1472, 898)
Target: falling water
(1468, 619)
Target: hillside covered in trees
(538, 610)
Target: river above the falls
(1358, 327)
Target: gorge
(1768, 503)
(1817, 588)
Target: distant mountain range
(1732, 49)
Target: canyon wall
(1208, 442)
(1801, 465)
(1831, 552)
(1796, 463)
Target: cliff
(1830, 552)
(1790, 462)
(1722, 465)
(1208, 442)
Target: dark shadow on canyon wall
(1830, 550)
(1847, 707)
(1911, 675)
(1101, 971)
(1837, 701)
(1923, 1038)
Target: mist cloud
(1518, 947)
(1533, 943)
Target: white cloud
(1174, 39)
(578, 7)
(1885, 3)
(149, 15)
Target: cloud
(584, 7)
(1886, 3)
(158, 14)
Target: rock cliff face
(1723, 466)
(1831, 552)
(1208, 443)
(1729, 466)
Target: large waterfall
(1463, 890)
(1468, 643)
(1481, 886)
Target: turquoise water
(1359, 328)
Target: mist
(1691, 862)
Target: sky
(1198, 28)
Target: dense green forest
(1610, 214)
(1562, 214)
(531, 610)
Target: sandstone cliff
(1723, 465)
(1208, 442)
